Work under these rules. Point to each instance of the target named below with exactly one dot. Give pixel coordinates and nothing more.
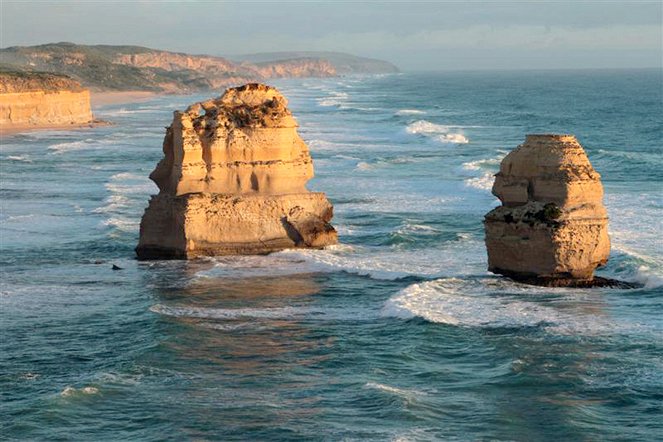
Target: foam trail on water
(498, 302)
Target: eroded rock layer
(41, 100)
(552, 227)
(233, 181)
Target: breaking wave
(438, 132)
(499, 303)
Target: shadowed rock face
(552, 227)
(233, 181)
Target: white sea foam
(410, 112)
(236, 313)
(23, 158)
(496, 302)
(456, 138)
(123, 224)
(438, 132)
(484, 182)
(66, 147)
(334, 99)
(455, 258)
(403, 392)
(412, 228)
(490, 163)
(71, 391)
(424, 127)
(88, 143)
(486, 167)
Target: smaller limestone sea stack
(233, 181)
(552, 227)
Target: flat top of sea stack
(251, 105)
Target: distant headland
(135, 68)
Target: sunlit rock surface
(233, 181)
(552, 227)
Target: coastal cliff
(298, 68)
(123, 68)
(233, 181)
(42, 100)
(552, 227)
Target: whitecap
(424, 127)
(122, 224)
(66, 147)
(410, 112)
(484, 182)
(438, 132)
(483, 164)
(71, 391)
(405, 393)
(23, 158)
(456, 138)
(334, 99)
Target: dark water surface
(399, 333)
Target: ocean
(397, 333)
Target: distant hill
(106, 67)
(342, 62)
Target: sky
(413, 35)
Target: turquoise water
(399, 333)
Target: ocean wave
(486, 167)
(23, 158)
(389, 263)
(334, 99)
(122, 223)
(490, 163)
(407, 394)
(438, 132)
(484, 182)
(423, 127)
(224, 313)
(73, 392)
(500, 303)
(410, 112)
(456, 138)
(88, 143)
(383, 162)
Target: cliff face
(232, 181)
(343, 64)
(300, 68)
(552, 227)
(31, 99)
(137, 68)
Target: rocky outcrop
(233, 181)
(42, 100)
(552, 227)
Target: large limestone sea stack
(552, 227)
(233, 181)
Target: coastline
(15, 129)
(105, 98)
